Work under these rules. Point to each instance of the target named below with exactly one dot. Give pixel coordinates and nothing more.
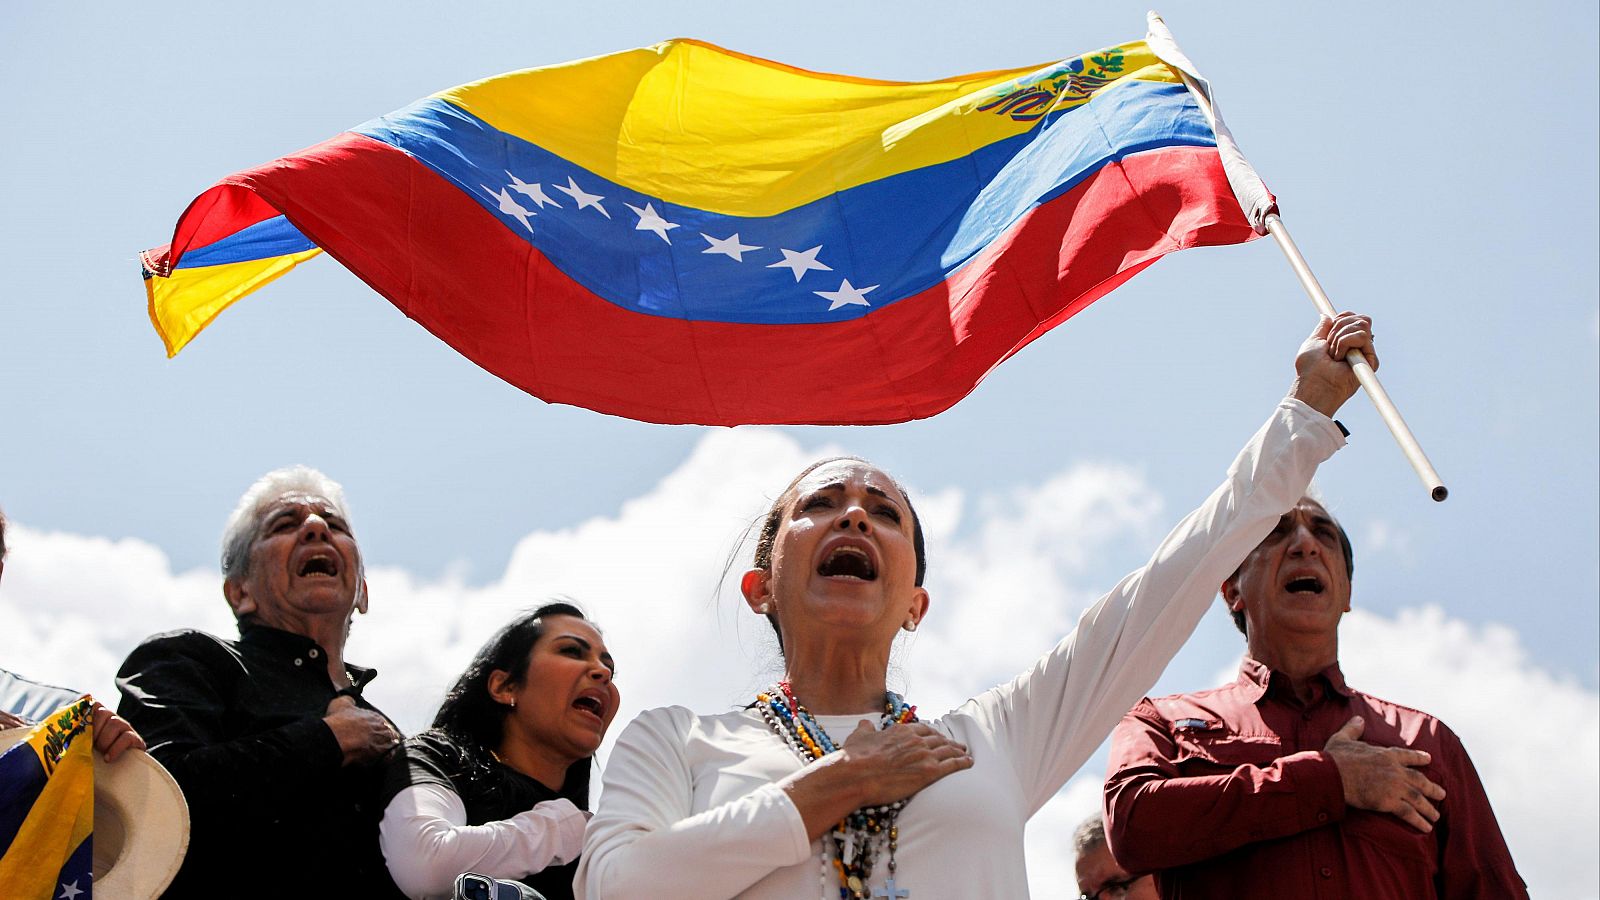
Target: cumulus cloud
(1010, 572)
(1534, 736)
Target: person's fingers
(127, 740)
(1421, 783)
(1411, 817)
(1423, 806)
(1324, 324)
(1406, 757)
(1353, 333)
(343, 701)
(1350, 730)
(107, 730)
(955, 764)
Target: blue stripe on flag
(272, 237)
(902, 234)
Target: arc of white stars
(650, 220)
(729, 247)
(533, 191)
(801, 263)
(847, 295)
(510, 206)
(584, 199)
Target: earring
(910, 625)
(764, 608)
(513, 703)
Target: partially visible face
(304, 563)
(1295, 581)
(1100, 878)
(567, 700)
(844, 555)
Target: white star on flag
(649, 220)
(847, 295)
(532, 191)
(729, 247)
(69, 891)
(584, 198)
(510, 206)
(800, 263)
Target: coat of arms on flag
(47, 808)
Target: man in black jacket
(279, 755)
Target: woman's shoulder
(678, 724)
(439, 745)
(439, 756)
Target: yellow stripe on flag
(62, 815)
(184, 303)
(704, 127)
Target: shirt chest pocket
(1209, 749)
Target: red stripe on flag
(454, 267)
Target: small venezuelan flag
(682, 233)
(47, 809)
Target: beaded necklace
(851, 848)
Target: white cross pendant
(890, 892)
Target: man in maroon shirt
(1288, 783)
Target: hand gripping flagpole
(1262, 210)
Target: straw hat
(141, 824)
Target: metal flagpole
(1273, 224)
(1358, 363)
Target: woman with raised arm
(500, 784)
(830, 785)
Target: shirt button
(1322, 817)
(1326, 872)
(298, 661)
(312, 653)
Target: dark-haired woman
(828, 784)
(500, 784)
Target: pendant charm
(890, 891)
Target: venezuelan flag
(681, 233)
(47, 809)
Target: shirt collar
(288, 645)
(1255, 677)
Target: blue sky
(1439, 172)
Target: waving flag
(681, 233)
(47, 809)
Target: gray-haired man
(278, 754)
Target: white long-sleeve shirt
(690, 807)
(427, 842)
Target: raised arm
(1054, 715)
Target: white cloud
(1381, 536)
(1519, 722)
(1049, 840)
(1009, 572)
(1534, 737)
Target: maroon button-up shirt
(1226, 793)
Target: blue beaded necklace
(855, 839)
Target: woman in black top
(500, 784)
